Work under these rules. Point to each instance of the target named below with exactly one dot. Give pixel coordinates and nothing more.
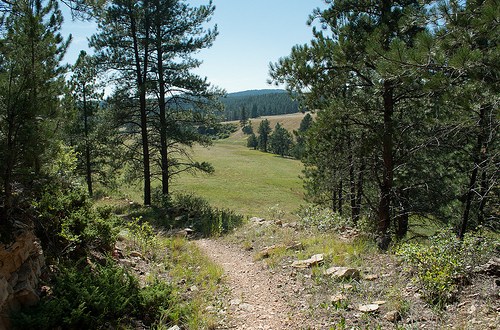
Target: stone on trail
(268, 250)
(338, 297)
(370, 277)
(257, 220)
(379, 302)
(392, 316)
(368, 308)
(342, 272)
(313, 261)
(246, 307)
(295, 246)
(136, 254)
(175, 327)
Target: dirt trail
(259, 299)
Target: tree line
(407, 94)
(278, 141)
(238, 106)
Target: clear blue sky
(251, 34)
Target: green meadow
(245, 180)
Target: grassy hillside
(290, 122)
(245, 180)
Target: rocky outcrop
(21, 263)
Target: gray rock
(175, 327)
(343, 272)
(392, 316)
(313, 261)
(368, 308)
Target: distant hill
(255, 92)
(256, 103)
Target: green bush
(142, 235)
(196, 212)
(84, 298)
(69, 225)
(315, 216)
(97, 297)
(442, 266)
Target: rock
(338, 297)
(194, 288)
(257, 220)
(492, 267)
(186, 232)
(235, 302)
(293, 225)
(295, 246)
(246, 307)
(368, 308)
(175, 327)
(342, 272)
(370, 277)
(313, 261)
(392, 316)
(135, 254)
(21, 262)
(267, 251)
(346, 286)
(379, 302)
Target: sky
(251, 35)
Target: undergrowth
(445, 264)
(97, 296)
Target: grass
(245, 180)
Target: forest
(253, 104)
(405, 97)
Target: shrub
(196, 212)
(315, 216)
(446, 263)
(68, 224)
(84, 298)
(97, 297)
(142, 235)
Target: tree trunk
(384, 209)
(88, 166)
(402, 219)
(141, 85)
(341, 202)
(477, 156)
(352, 181)
(162, 107)
(359, 193)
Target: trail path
(259, 298)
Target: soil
(259, 298)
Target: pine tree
(32, 82)
(358, 63)
(123, 45)
(177, 33)
(280, 141)
(264, 132)
(87, 95)
(468, 56)
(252, 141)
